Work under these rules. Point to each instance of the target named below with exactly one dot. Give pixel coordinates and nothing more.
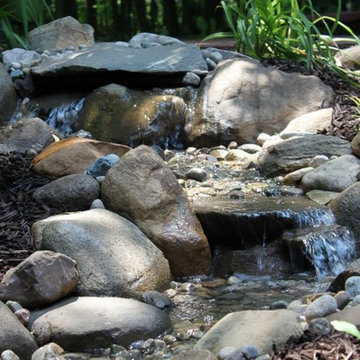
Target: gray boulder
(335, 175)
(144, 40)
(8, 98)
(14, 336)
(117, 114)
(70, 193)
(26, 134)
(85, 323)
(25, 58)
(114, 257)
(60, 34)
(42, 278)
(227, 109)
(295, 153)
(346, 207)
(145, 189)
(260, 328)
(355, 145)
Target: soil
(18, 211)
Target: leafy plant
(282, 29)
(17, 16)
(346, 327)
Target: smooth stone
(13, 305)
(8, 355)
(194, 354)
(48, 351)
(138, 40)
(100, 166)
(197, 174)
(8, 97)
(243, 353)
(351, 315)
(159, 300)
(321, 307)
(20, 57)
(295, 177)
(355, 145)
(352, 269)
(352, 286)
(320, 326)
(250, 148)
(85, 323)
(23, 315)
(192, 79)
(322, 197)
(280, 304)
(318, 160)
(342, 298)
(97, 204)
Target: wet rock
(48, 351)
(71, 193)
(345, 206)
(342, 298)
(352, 269)
(313, 122)
(73, 156)
(322, 197)
(143, 187)
(194, 354)
(297, 152)
(355, 145)
(335, 175)
(14, 336)
(26, 134)
(262, 329)
(145, 40)
(85, 323)
(234, 82)
(321, 307)
(42, 278)
(92, 238)
(60, 34)
(102, 165)
(352, 286)
(197, 174)
(192, 79)
(121, 115)
(8, 97)
(157, 299)
(320, 326)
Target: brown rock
(42, 278)
(73, 156)
(8, 98)
(144, 188)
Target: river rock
(73, 156)
(14, 336)
(321, 197)
(295, 177)
(61, 34)
(194, 354)
(260, 328)
(295, 153)
(313, 122)
(355, 145)
(102, 165)
(352, 286)
(42, 278)
(8, 98)
(113, 63)
(121, 115)
(114, 257)
(48, 351)
(85, 323)
(335, 175)
(321, 307)
(226, 108)
(350, 57)
(25, 58)
(145, 40)
(345, 206)
(26, 134)
(352, 269)
(9, 355)
(143, 187)
(70, 193)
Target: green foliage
(346, 327)
(18, 16)
(282, 29)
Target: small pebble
(97, 204)
(9, 355)
(197, 174)
(13, 305)
(23, 315)
(280, 304)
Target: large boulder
(41, 279)
(260, 328)
(335, 175)
(121, 115)
(14, 336)
(73, 156)
(27, 133)
(295, 153)
(143, 187)
(8, 98)
(346, 208)
(70, 193)
(88, 323)
(242, 98)
(114, 257)
(60, 34)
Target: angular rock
(345, 206)
(60, 34)
(8, 98)
(260, 328)
(41, 279)
(102, 165)
(85, 323)
(226, 108)
(73, 156)
(114, 257)
(71, 193)
(14, 336)
(313, 122)
(26, 133)
(335, 175)
(296, 153)
(112, 63)
(121, 115)
(144, 188)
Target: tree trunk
(65, 8)
(115, 18)
(91, 13)
(141, 15)
(170, 17)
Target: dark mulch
(18, 211)
(337, 346)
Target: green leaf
(346, 327)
